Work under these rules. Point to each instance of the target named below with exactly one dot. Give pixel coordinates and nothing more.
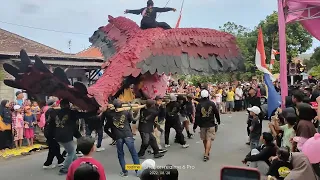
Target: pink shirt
(19, 121)
(75, 164)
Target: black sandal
(205, 158)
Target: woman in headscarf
(5, 125)
(302, 169)
(149, 15)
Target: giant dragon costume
(135, 55)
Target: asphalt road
(228, 149)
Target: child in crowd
(255, 128)
(87, 147)
(280, 166)
(17, 126)
(30, 121)
(288, 131)
(35, 109)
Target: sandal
(205, 158)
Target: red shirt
(75, 164)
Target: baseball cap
(204, 93)
(255, 109)
(16, 107)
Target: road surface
(228, 149)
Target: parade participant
(120, 128)
(30, 121)
(65, 125)
(190, 108)
(184, 115)
(17, 126)
(5, 125)
(49, 131)
(95, 123)
(207, 116)
(87, 147)
(173, 121)
(149, 15)
(256, 127)
(146, 124)
(159, 129)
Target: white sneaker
(49, 167)
(100, 149)
(61, 164)
(167, 145)
(185, 145)
(79, 154)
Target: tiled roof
(90, 52)
(10, 42)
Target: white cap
(16, 107)
(204, 93)
(255, 109)
(148, 164)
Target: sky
(83, 17)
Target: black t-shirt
(279, 169)
(119, 122)
(257, 128)
(147, 119)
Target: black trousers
(148, 139)
(54, 151)
(106, 129)
(237, 105)
(176, 125)
(155, 24)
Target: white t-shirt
(218, 98)
(238, 92)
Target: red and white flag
(273, 57)
(260, 54)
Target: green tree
(314, 59)
(315, 71)
(298, 39)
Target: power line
(44, 29)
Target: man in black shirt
(146, 126)
(53, 145)
(149, 15)
(121, 130)
(65, 122)
(173, 121)
(206, 116)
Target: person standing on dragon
(149, 15)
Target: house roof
(11, 42)
(90, 52)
